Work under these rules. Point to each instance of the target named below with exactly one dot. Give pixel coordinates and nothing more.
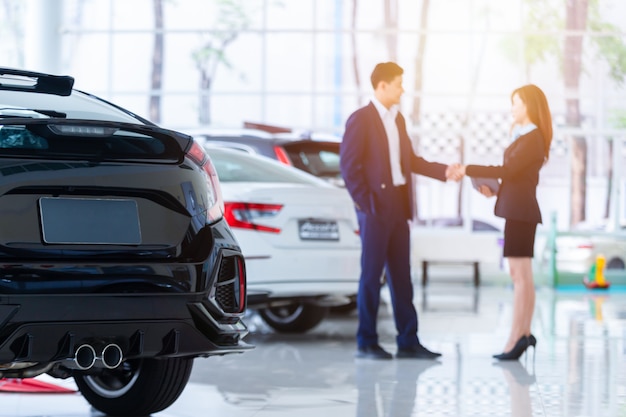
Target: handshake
(455, 172)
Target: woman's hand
(486, 191)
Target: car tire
(294, 318)
(137, 387)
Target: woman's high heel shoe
(517, 351)
(532, 341)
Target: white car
(577, 250)
(315, 153)
(298, 234)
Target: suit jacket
(517, 196)
(365, 166)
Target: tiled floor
(578, 369)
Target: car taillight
(585, 246)
(215, 204)
(245, 215)
(282, 156)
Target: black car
(116, 265)
(310, 152)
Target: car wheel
(294, 318)
(615, 263)
(137, 387)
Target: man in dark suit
(376, 161)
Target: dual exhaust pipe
(87, 356)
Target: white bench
(427, 263)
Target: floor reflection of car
(298, 234)
(286, 376)
(314, 153)
(301, 366)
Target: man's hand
(455, 172)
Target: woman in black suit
(517, 203)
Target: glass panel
(289, 110)
(289, 64)
(293, 15)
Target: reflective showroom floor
(579, 368)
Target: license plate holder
(317, 229)
(85, 221)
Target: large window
(306, 64)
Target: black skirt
(519, 239)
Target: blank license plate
(89, 221)
(311, 229)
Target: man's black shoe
(416, 352)
(372, 352)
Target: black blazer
(365, 166)
(517, 196)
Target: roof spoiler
(273, 129)
(266, 128)
(60, 85)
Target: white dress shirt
(388, 117)
(522, 130)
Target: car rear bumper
(49, 328)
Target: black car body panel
(111, 234)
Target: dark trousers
(386, 246)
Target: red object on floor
(30, 385)
(595, 285)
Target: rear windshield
(320, 159)
(89, 142)
(79, 105)
(238, 166)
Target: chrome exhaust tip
(84, 357)
(111, 356)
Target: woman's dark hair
(385, 71)
(538, 112)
